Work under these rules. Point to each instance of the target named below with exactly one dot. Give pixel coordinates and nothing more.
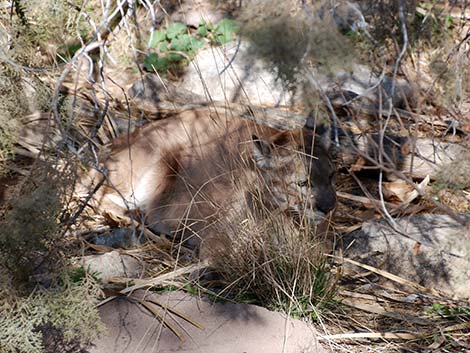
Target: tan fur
(187, 172)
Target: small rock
(112, 264)
(348, 16)
(152, 90)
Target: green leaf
(186, 43)
(196, 44)
(202, 30)
(156, 38)
(173, 57)
(164, 47)
(226, 25)
(149, 60)
(448, 21)
(153, 62)
(175, 29)
(225, 30)
(191, 289)
(181, 43)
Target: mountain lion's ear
(282, 138)
(322, 130)
(323, 135)
(261, 152)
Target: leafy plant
(175, 45)
(191, 289)
(222, 33)
(79, 274)
(172, 46)
(165, 289)
(450, 312)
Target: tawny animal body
(187, 172)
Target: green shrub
(41, 29)
(172, 47)
(28, 234)
(222, 33)
(12, 108)
(67, 311)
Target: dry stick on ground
(162, 318)
(174, 99)
(390, 108)
(378, 335)
(177, 313)
(366, 201)
(167, 312)
(389, 276)
(395, 208)
(376, 308)
(141, 283)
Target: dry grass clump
(22, 94)
(448, 69)
(383, 17)
(428, 29)
(277, 263)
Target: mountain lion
(186, 173)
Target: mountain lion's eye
(302, 183)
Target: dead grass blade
(177, 313)
(376, 308)
(389, 276)
(159, 280)
(165, 277)
(149, 307)
(413, 195)
(458, 327)
(366, 201)
(377, 335)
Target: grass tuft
(275, 263)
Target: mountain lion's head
(298, 173)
